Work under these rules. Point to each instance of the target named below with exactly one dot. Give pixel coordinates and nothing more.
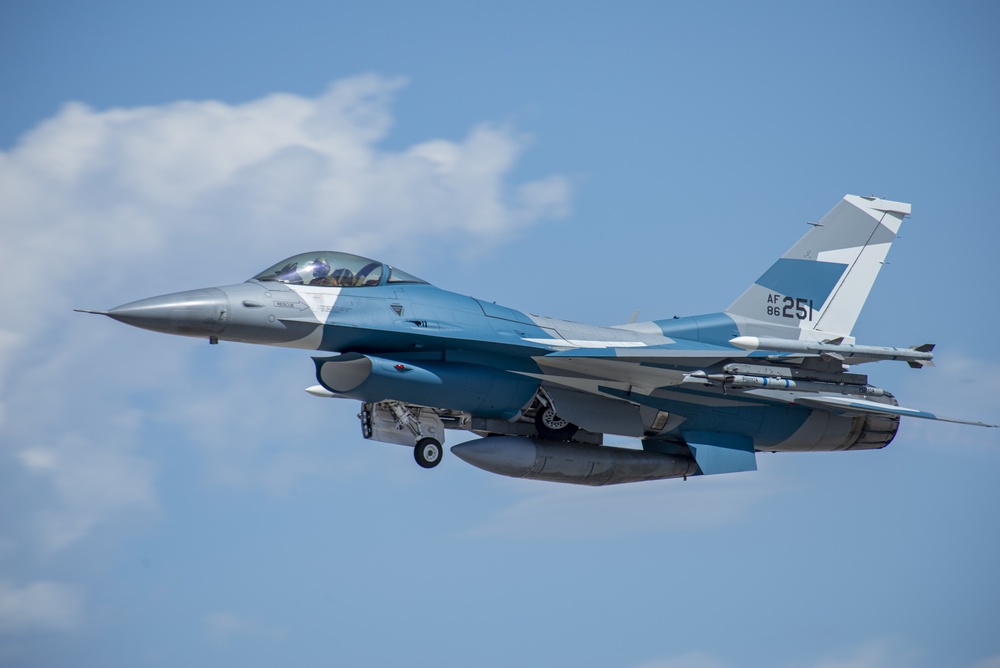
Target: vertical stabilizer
(818, 287)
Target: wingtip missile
(920, 355)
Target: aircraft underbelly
(596, 413)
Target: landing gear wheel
(552, 427)
(428, 452)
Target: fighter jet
(774, 372)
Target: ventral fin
(718, 452)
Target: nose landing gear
(396, 422)
(427, 452)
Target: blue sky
(165, 503)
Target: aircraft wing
(595, 370)
(850, 405)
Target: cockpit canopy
(331, 269)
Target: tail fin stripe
(809, 279)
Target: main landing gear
(552, 427)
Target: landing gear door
(403, 425)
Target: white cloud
(93, 483)
(99, 207)
(109, 193)
(255, 427)
(72, 448)
(39, 606)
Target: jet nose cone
(192, 313)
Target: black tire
(552, 427)
(428, 452)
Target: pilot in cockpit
(342, 277)
(335, 270)
(313, 273)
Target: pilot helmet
(316, 269)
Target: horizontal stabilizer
(848, 406)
